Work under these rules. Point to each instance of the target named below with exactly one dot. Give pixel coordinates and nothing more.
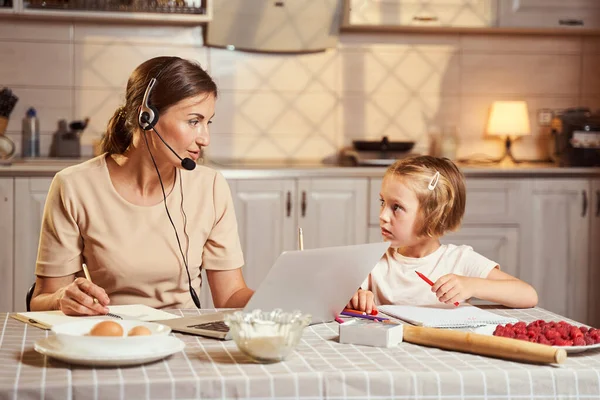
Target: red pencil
(373, 312)
(426, 279)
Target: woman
(125, 213)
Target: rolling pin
(493, 346)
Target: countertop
(47, 167)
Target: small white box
(370, 333)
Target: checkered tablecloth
(319, 368)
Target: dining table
(320, 367)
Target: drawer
(494, 200)
(488, 200)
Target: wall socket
(545, 116)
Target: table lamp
(509, 119)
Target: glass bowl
(267, 336)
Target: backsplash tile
(513, 44)
(518, 74)
(234, 70)
(51, 105)
(408, 69)
(36, 64)
(35, 31)
(99, 105)
(95, 65)
(306, 107)
(590, 80)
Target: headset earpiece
(148, 113)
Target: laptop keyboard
(218, 326)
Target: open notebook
(47, 319)
(463, 316)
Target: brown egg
(107, 328)
(139, 331)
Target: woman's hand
(451, 288)
(363, 300)
(77, 298)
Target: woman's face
(184, 126)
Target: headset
(147, 120)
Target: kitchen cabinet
(30, 197)
(7, 7)
(447, 13)
(160, 11)
(267, 221)
(6, 244)
(331, 212)
(560, 219)
(594, 276)
(498, 243)
(549, 14)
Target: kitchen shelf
(163, 11)
(347, 28)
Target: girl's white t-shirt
(394, 280)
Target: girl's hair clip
(434, 181)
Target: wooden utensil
(493, 346)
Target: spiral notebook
(463, 316)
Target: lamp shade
(509, 118)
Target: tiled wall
(306, 107)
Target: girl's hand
(362, 301)
(451, 288)
(78, 299)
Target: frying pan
(382, 145)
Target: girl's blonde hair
(442, 208)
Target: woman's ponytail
(118, 137)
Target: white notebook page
(463, 316)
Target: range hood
(275, 26)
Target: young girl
(421, 199)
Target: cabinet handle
(425, 19)
(597, 203)
(585, 201)
(288, 204)
(570, 22)
(303, 204)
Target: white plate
(75, 335)
(162, 347)
(489, 330)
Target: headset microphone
(148, 119)
(186, 163)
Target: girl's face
(184, 126)
(399, 213)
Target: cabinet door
(560, 254)
(266, 223)
(465, 13)
(496, 242)
(593, 287)
(30, 196)
(332, 212)
(6, 244)
(549, 13)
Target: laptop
(319, 282)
